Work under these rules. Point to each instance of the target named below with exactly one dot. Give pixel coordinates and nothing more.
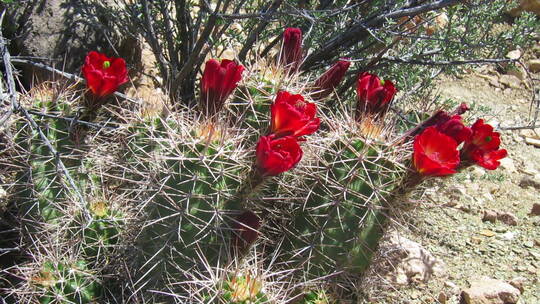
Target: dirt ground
(448, 221)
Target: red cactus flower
(291, 52)
(483, 146)
(103, 74)
(435, 154)
(246, 229)
(218, 81)
(331, 78)
(374, 95)
(292, 115)
(454, 127)
(277, 155)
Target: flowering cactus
(374, 95)
(327, 82)
(291, 52)
(218, 82)
(292, 115)
(483, 146)
(208, 200)
(104, 74)
(435, 153)
(277, 155)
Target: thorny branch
(17, 108)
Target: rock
(515, 54)
(487, 233)
(528, 181)
(403, 262)
(490, 291)
(518, 282)
(489, 216)
(528, 244)
(508, 218)
(519, 72)
(534, 65)
(532, 141)
(508, 164)
(535, 210)
(510, 81)
(509, 235)
(442, 298)
(529, 133)
(478, 171)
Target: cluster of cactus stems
(273, 175)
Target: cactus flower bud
(374, 95)
(246, 229)
(277, 155)
(454, 127)
(103, 74)
(435, 153)
(291, 52)
(292, 115)
(328, 81)
(483, 146)
(218, 81)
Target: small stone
(518, 282)
(508, 218)
(535, 210)
(532, 269)
(515, 54)
(534, 65)
(509, 235)
(528, 244)
(529, 133)
(490, 291)
(487, 233)
(537, 242)
(519, 72)
(453, 288)
(489, 216)
(407, 262)
(508, 164)
(532, 141)
(476, 240)
(510, 81)
(478, 171)
(442, 298)
(528, 181)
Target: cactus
(63, 282)
(193, 198)
(339, 223)
(205, 197)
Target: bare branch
(358, 31)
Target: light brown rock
(510, 81)
(403, 262)
(489, 216)
(528, 181)
(519, 283)
(508, 218)
(534, 65)
(490, 291)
